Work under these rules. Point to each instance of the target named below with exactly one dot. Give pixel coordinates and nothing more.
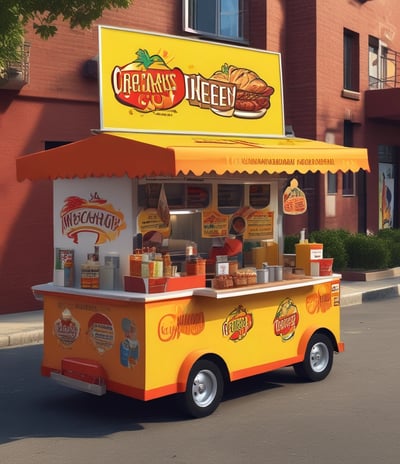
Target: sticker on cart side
(237, 325)
(129, 346)
(95, 215)
(321, 300)
(335, 293)
(66, 328)
(174, 324)
(286, 320)
(101, 332)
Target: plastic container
(259, 255)
(271, 252)
(135, 265)
(262, 276)
(322, 267)
(196, 266)
(307, 252)
(90, 275)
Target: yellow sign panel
(158, 83)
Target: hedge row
(355, 251)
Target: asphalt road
(351, 417)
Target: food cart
(169, 275)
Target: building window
(218, 19)
(348, 179)
(332, 184)
(351, 61)
(348, 184)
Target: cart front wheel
(204, 389)
(318, 359)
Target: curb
(382, 293)
(22, 338)
(372, 295)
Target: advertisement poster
(294, 199)
(386, 195)
(93, 213)
(252, 224)
(149, 220)
(214, 223)
(260, 225)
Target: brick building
(340, 85)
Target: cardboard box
(144, 284)
(322, 267)
(185, 282)
(163, 284)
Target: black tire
(204, 389)
(318, 359)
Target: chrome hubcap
(204, 388)
(319, 357)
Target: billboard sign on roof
(167, 84)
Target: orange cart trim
(127, 390)
(341, 347)
(139, 394)
(251, 371)
(139, 155)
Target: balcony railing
(389, 71)
(16, 74)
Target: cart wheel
(318, 359)
(204, 389)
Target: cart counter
(42, 289)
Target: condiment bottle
(145, 265)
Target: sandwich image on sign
(252, 93)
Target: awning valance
(144, 155)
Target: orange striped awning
(145, 155)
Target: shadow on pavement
(34, 406)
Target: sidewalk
(27, 327)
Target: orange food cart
(125, 315)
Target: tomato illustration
(148, 83)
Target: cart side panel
(256, 333)
(252, 333)
(106, 332)
(147, 348)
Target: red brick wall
(60, 105)
(299, 67)
(313, 81)
(57, 105)
(26, 233)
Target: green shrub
(392, 239)
(391, 235)
(290, 242)
(354, 251)
(394, 248)
(367, 252)
(334, 246)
